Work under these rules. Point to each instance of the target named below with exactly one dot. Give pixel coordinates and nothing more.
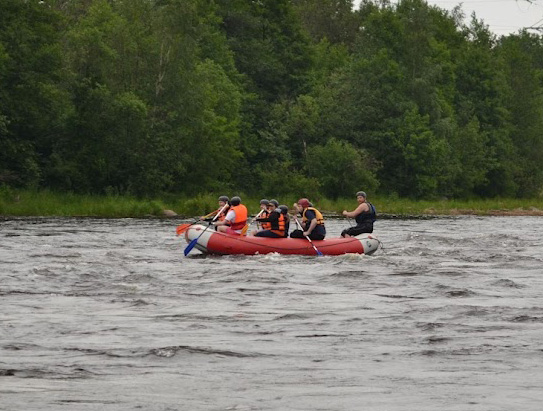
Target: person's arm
(311, 227)
(230, 216)
(352, 214)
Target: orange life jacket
(265, 214)
(241, 217)
(278, 227)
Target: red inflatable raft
(212, 242)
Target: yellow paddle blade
(244, 229)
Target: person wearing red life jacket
(275, 221)
(235, 219)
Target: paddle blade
(181, 229)
(313, 245)
(244, 229)
(189, 247)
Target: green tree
(157, 99)
(470, 162)
(481, 93)
(340, 168)
(522, 55)
(33, 103)
(333, 20)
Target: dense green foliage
(269, 97)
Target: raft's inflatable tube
(212, 242)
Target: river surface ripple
(109, 315)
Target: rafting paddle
(246, 227)
(181, 228)
(193, 242)
(308, 239)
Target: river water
(102, 314)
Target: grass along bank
(47, 203)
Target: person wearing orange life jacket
(312, 221)
(263, 213)
(284, 211)
(235, 219)
(223, 200)
(276, 221)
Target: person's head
(235, 201)
(223, 200)
(272, 205)
(303, 203)
(361, 196)
(284, 209)
(264, 204)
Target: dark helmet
(275, 203)
(361, 194)
(223, 198)
(304, 202)
(235, 201)
(264, 201)
(284, 209)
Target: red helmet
(304, 202)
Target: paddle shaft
(195, 241)
(181, 228)
(306, 236)
(244, 229)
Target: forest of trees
(270, 97)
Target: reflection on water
(109, 314)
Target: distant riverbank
(46, 203)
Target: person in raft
(276, 221)
(263, 213)
(364, 216)
(312, 221)
(223, 200)
(284, 211)
(235, 219)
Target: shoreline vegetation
(28, 203)
(277, 97)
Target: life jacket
(265, 214)
(320, 218)
(287, 224)
(222, 215)
(241, 217)
(278, 227)
(366, 217)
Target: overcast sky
(502, 16)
